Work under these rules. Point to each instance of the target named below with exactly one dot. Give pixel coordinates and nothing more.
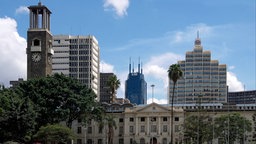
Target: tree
(114, 84)
(108, 120)
(198, 127)
(254, 128)
(59, 98)
(174, 73)
(17, 120)
(231, 127)
(55, 133)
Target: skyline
(159, 33)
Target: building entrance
(153, 140)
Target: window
(142, 128)
(176, 127)
(79, 141)
(36, 42)
(121, 120)
(100, 129)
(164, 118)
(121, 141)
(121, 130)
(142, 119)
(153, 119)
(164, 128)
(79, 120)
(100, 141)
(89, 141)
(79, 130)
(142, 141)
(153, 128)
(89, 130)
(176, 119)
(131, 129)
(131, 119)
(164, 140)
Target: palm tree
(114, 84)
(108, 120)
(174, 73)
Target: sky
(158, 32)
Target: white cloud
(22, 10)
(158, 66)
(119, 6)
(233, 83)
(158, 101)
(13, 52)
(106, 68)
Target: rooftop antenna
(139, 66)
(130, 66)
(198, 34)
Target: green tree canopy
(54, 133)
(231, 127)
(17, 120)
(59, 98)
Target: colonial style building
(150, 124)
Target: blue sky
(159, 32)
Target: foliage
(54, 133)
(41, 101)
(174, 73)
(108, 120)
(254, 128)
(59, 98)
(114, 84)
(17, 120)
(195, 125)
(232, 127)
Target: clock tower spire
(39, 42)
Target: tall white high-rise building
(77, 57)
(202, 78)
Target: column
(159, 126)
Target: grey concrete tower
(39, 42)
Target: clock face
(36, 57)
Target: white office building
(77, 57)
(202, 77)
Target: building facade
(201, 77)
(78, 57)
(151, 123)
(136, 87)
(242, 97)
(105, 91)
(39, 42)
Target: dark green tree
(17, 119)
(254, 127)
(174, 73)
(60, 98)
(54, 133)
(109, 121)
(114, 84)
(231, 127)
(198, 129)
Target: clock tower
(39, 42)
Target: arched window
(36, 42)
(142, 141)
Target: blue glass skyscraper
(136, 87)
